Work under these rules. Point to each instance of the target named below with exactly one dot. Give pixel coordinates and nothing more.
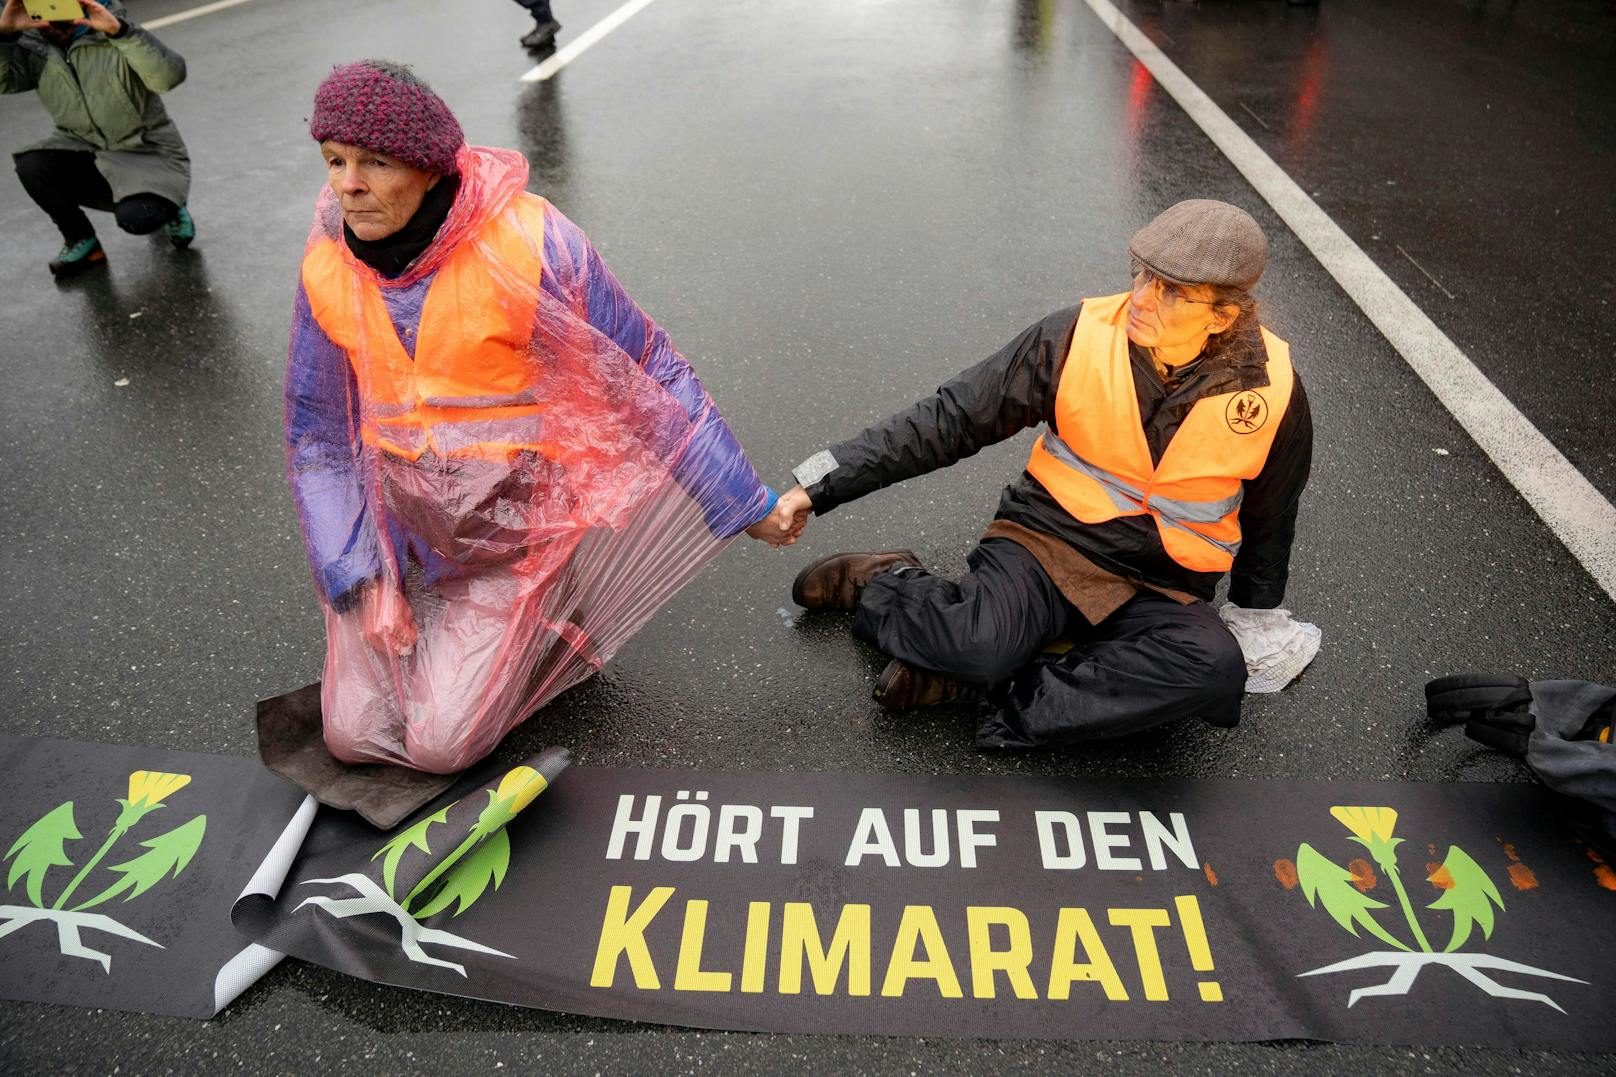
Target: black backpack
(1563, 729)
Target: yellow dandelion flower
(518, 788)
(149, 788)
(1367, 824)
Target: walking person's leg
(545, 26)
(1153, 661)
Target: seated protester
(501, 465)
(1177, 444)
(114, 148)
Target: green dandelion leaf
(1325, 882)
(1471, 897)
(41, 848)
(399, 844)
(167, 855)
(471, 877)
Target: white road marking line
(581, 44)
(1575, 511)
(1422, 269)
(196, 12)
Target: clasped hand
(385, 619)
(786, 521)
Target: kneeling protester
(501, 465)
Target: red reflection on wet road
(1139, 86)
(1309, 89)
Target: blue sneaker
(180, 229)
(75, 258)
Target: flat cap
(1203, 241)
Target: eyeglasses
(1166, 292)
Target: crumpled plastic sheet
(1276, 646)
(525, 570)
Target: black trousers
(1152, 661)
(63, 181)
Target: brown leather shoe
(902, 686)
(835, 582)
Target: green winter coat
(102, 94)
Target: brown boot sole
(886, 685)
(897, 689)
(797, 584)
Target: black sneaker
(542, 36)
(75, 258)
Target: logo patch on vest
(1246, 413)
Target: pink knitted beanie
(384, 107)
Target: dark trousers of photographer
(66, 182)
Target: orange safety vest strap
(1130, 500)
(1231, 547)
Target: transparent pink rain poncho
(502, 436)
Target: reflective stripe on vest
(1130, 500)
(1096, 462)
(470, 389)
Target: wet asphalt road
(831, 206)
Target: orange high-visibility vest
(1097, 464)
(471, 388)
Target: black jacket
(1015, 389)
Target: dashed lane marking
(582, 43)
(192, 13)
(1573, 508)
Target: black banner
(120, 866)
(1000, 907)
